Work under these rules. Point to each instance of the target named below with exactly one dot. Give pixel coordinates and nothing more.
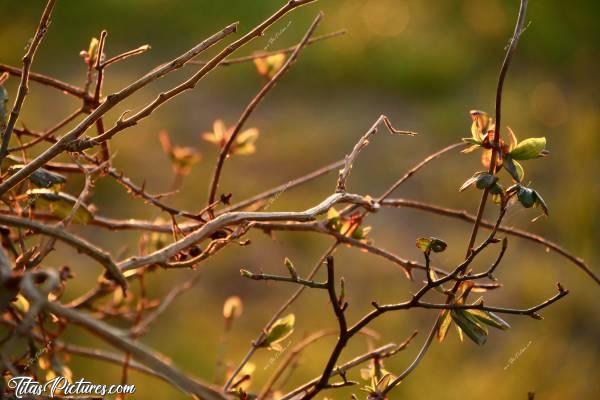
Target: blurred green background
(423, 63)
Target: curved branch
(82, 245)
(163, 255)
(115, 338)
(503, 70)
(212, 192)
(465, 216)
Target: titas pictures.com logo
(24, 386)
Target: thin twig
(163, 255)
(126, 55)
(416, 168)
(76, 242)
(46, 80)
(45, 136)
(464, 216)
(263, 54)
(382, 352)
(173, 294)
(109, 334)
(279, 278)
(361, 144)
(126, 122)
(252, 106)
(278, 314)
(42, 28)
(503, 70)
(112, 100)
(278, 190)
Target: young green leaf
(60, 204)
(333, 218)
(423, 244)
(529, 197)
(471, 148)
(489, 318)
(281, 329)
(426, 245)
(481, 179)
(244, 143)
(486, 181)
(93, 50)
(41, 177)
(529, 148)
(526, 197)
(438, 245)
(470, 326)
(514, 168)
(539, 202)
(361, 233)
(290, 266)
(245, 273)
(474, 142)
(182, 158)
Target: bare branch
(463, 215)
(76, 242)
(24, 85)
(382, 352)
(263, 54)
(164, 254)
(46, 80)
(278, 314)
(64, 142)
(361, 144)
(109, 334)
(279, 278)
(278, 190)
(252, 106)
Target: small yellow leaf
(60, 204)
(270, 65)
(513, 139)
(479, 127)
(232, 308)
(245, 142)
(333, 215)
(21, 303)
(444, 324)
(44, 363)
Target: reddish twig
(503, 70)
